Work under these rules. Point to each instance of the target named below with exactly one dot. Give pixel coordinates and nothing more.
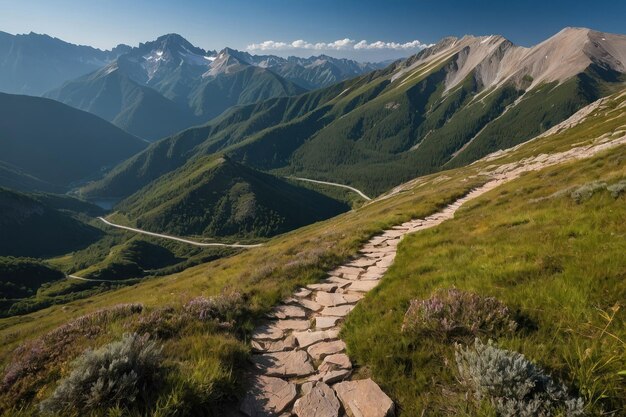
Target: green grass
(558, 263)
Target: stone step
(307, 338)
(364, 398)
(268, 396)
(289, 348)
(292, 363)
(320, 401)
(319, 350)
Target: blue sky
(395, 24)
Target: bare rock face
(284, 364)
(321, 401)
(267, 397)
(364, 398)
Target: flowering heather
(454, 313)
(162, 322)
(32, 356)
(221, 308)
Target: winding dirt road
(334, 184)
(179, 239)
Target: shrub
(118, 374)
(33, 355)
(513, 384)
(222, 309)
(587, 191)
(617, 189)
(162, 322)
(453, 313)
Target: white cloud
(338, 45)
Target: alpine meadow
(312, 209)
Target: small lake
(105, 203)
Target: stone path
(301, 367)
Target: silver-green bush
(513, 384)
(117, 374)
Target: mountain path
(91, 279)
(300, 365)
(297, 353)
(334, 184)
(178, 239)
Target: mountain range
(160, 87)
(447, 106)
(33, 64)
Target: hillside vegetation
(565, 291)
(48, 146)
(43, 225)
(220, 197)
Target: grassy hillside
(49, 146)
(557, 289)
(550, 246)
(219, 197)
(21, 277)
(39, 226)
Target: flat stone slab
(364, 398)
(385, 262)
(339, 311)
(320, 350)
(332, 376)
(284, 364)
(269, 346)
(302, 292)
(307, 338)
(335, 362)
(350, 277)
(330, 299)
(293, 324)
(326, 322)
(267, 396)
(361, 262)
(341, 282)
(309, 304)
(349, 270)
(329, 287)
(321, 401)
(363, 286)
(267, 332)
(288, 311)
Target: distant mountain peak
(498, 61)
